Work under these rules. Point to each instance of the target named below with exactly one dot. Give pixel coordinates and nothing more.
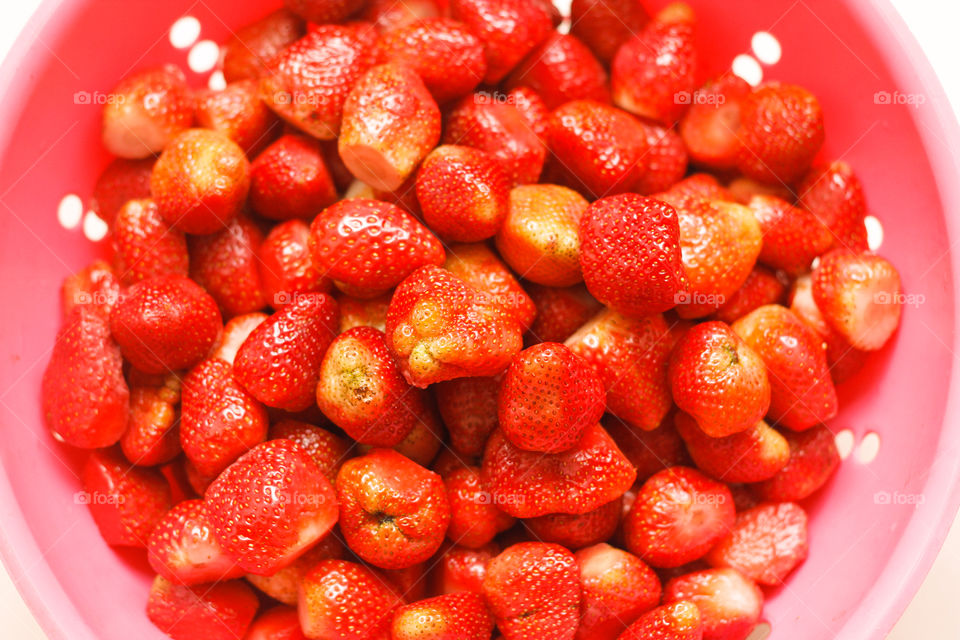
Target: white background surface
(932, 614)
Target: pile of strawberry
(420, 328)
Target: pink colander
(875, 528)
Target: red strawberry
(394, 513)
(601, 149)
(617, 589)
(145, 245)
(146, 111)
(219, 419)
(631, 356)
(859, 296)
(120, 181)
(286, 266)
(165, 323)
(125, 501)
(327, 449)
(711, 124)
(539, 238)
(744, 189)
(279, 363)
(834, 194)
(366, 312)
(761, 287)
(221, 611)
(444, 53)
(441, 328)
(307, 82)
(604, 25)
(755, 454)
(792, 237)
(423, 442)
(184, 550)
(474, 518)
(549, 396)
(560, 311)
(226, 265)
(279, 623)
(324, 11)
(456, 616)
(469, 410)
(781, 130)
(717, 379)
(200, 182)
(340, 599)
(234, 334)
(630, 254)
(368, 247)
(678, 515)
(362, 390)
(503, 129)
(237, 112)
(813, 459)
(480, 268)
(697, 185)
(509, 30)
(460, 569)
(463, 193)
(284, 584)
(153, 435)
(562, 69)
(198, 483)
(387, 15)
(247, 51)
(650, 72)
(527, 484)
(533, 591)
(575, 531)
(648, 451)
(532, 109)
(729, 603)
(666, 160)
(679, 620)
(271, 505)
(289, 179)
(801, 391)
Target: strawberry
(630, 254)
(226, 265)
(393, 512)
(617, 589)
(219, 419)
(184, 550)
(717, 379)
(125, 501)
(387, 15)
(327, 449)
(532, 109)
(480, 268)
(648, 451)
(834, 194)
(539, 238)
(444, 53)
(528, 484)
(237, 112)
(165, 323)
(604, 25)
(767, 542)
(560, 311)
(146, 111)
(324, 11)
(801, 391)
(678, 515)
(456, 616)
(221, 611)
(561, 69)
(279, 363)
(84, 395)
(469, 410)
(697, 185)
(122, 180)
(201, 181)
(602, 150)
(145, 245)
(631, 356)
(509, 30)
(859, 296)
(792, 237)
(729, 602)
(271, 505)
(286, 266)
(533, 591)
(460, 569)
(651, 71)
(711, 124)
(781, 130)
(404, 196)
(440, 328)
(813, 459)
(366, 312)
(474, 519)
(246, 52)
(666, 160)
(153, 435)
(307, 82)
(752, 455)
(503, 129)
(289, 179)
(368, 247)
(340, 599)
(234, 334)
(279, 623)
(463, 193)
(679, 620)
(408, 582)
(761, 287)
(575, 531)
(548, 397)
(284, 584)
(363, 392)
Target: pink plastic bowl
(875, 529)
